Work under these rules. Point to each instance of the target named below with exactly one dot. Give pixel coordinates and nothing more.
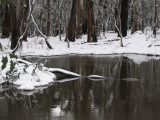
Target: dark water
(130, 92)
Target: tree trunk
(60, 31)
(84, 27)
(91, 23)
(76, 20)
(155, 18)
(6, 25)
(117, 21)
(48, 18)
(72, 23)
(24, 19)
(124, 17)
(84, 22)
(14, 37)
(16, 30)
(79, 18)
(20, 22)
(12, 11)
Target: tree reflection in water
(130, 92)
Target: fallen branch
(113, 40)
(53, 70)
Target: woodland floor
(137, 43)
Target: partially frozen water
(129, 91)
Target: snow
(63, 71)
(96, 77)
(136, 46)
(138, 59)
(25, 75)
(23, 61)
(28, 76)
(137, 43)
(56, 112)
(29, 81)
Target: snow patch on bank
(23, 74)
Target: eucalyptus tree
(20, 22)
(74, 29)
(7, 10)
(124, 17)
(70, 35)
(92, 37)
(6, 24)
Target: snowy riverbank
(137, 43)
(22, 74)
(25, 75)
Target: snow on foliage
(23, 74)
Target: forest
(74, 18)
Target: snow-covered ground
(137, 43)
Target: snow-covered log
(54, 70)
(96, 77)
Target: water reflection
(130, 92)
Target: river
(130, 91)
